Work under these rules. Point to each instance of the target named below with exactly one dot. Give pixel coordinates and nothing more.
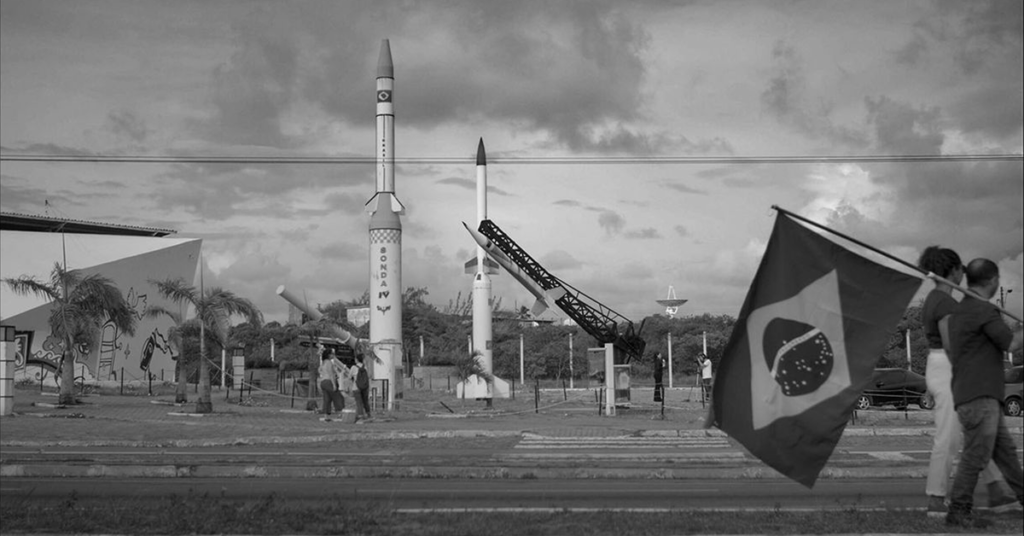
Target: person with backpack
(362, 388)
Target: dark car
(896, 387)
(1014, 385)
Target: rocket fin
(490, 267)
(538, 307)
(385, 200)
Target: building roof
(10, 221)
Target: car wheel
(927, 401)
(863, 402)
(1013, 407)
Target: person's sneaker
(968, 521)
(937, 506)
(1004, 505)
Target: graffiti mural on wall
(156, 341)
(104, 361)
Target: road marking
(623, 442)
(556, 510)
(888, 456)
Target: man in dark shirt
(978, 340)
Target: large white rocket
(386, 241)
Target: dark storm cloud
(217, 191)
(47, 149)
(125, 124)
(18, 195)
(985, 38)
(252, 89)
(982, 32)
(939, 200)
(786, 98)
(902, 129)
(571, 70)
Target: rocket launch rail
(596, 319)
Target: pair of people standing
(964, 374)
(333, 375)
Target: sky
(537, 81)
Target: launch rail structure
(598, 320)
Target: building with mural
(129, 256)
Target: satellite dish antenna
(671, 303)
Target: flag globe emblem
(799, 356)
(797, 352)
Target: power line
(549, 160)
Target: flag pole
(926, 274)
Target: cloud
(644, 234)
(788, 98)
(611, 222)
(902, 129)
(684, 188)
(253, 89)
(681, 231)
(559, 260)
(470, 184)
(125, 124)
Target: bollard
(513, 388)
(122, 381)
(150, 377)
(565, 394)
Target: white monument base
(477, 387)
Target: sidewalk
(140, 420)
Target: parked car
(1014, 386)
(896, 387)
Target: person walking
(361, 390)
(659, 373)
(935, 311)
(978, 339)
(330, 376)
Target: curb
(434, 434)
(754, 471)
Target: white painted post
(522, 365)
(223, 368)
(908, 349)
(570, 362)
(609, 379)
(271, 350)
(670, 360)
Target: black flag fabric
(813, 325)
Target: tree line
(81, 304)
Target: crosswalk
(538, 442)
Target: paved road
(409, 494)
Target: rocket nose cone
(385, 69)
(481, 155)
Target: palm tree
(214, 309)
(81, 306)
